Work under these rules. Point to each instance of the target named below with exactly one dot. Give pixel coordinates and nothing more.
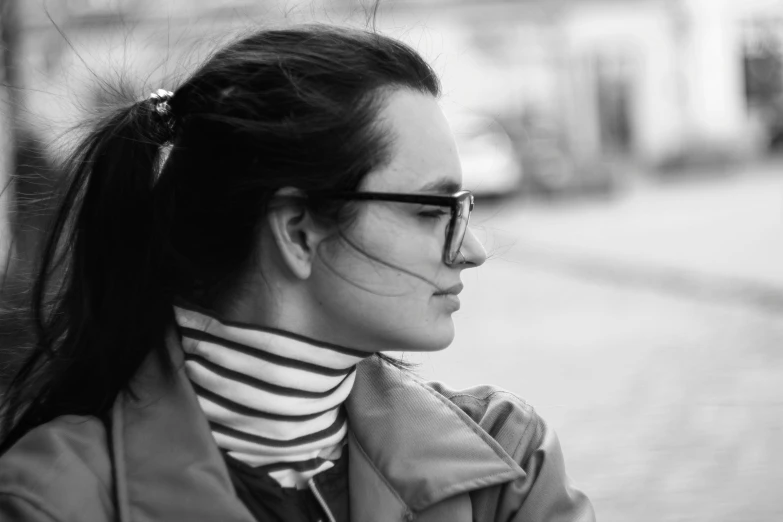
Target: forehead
(424, 153)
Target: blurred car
(551, 172)
(490, 163)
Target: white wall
(642, 33)
(713, 57)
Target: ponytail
(98, 300)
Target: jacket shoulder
(507, 418)
(60, 471)
(545, 492)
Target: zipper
(320, 499)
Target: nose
(473, 250)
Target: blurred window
(763, 65)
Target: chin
(439, 336)
(377, 335)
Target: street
(647, 331)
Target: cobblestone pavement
(648, 331)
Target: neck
(283, 305)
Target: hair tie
(160, 99)
(160, 102)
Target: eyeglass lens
(459, 228)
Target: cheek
(380, 285)
(395, 267)
(383, 309)
(401, 241)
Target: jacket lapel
(167, 466)
(372, 498)
(416, 447)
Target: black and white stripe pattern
(272, 398)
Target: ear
(296, 234)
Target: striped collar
(273, 399)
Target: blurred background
(630, 192)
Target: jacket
(417, 452)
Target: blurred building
(649, 79)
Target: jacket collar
(167, 465)
(423, 445)
(415, 445)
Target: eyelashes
(433, 214)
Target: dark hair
(285, 107)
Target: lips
(452, 290)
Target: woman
(210, 330)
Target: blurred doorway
(762, 58)
(614, 92)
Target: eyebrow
(442, 186)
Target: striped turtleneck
(273, 399)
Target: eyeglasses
(460, 203)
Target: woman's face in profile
(380, 279)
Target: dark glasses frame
(461, 204)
